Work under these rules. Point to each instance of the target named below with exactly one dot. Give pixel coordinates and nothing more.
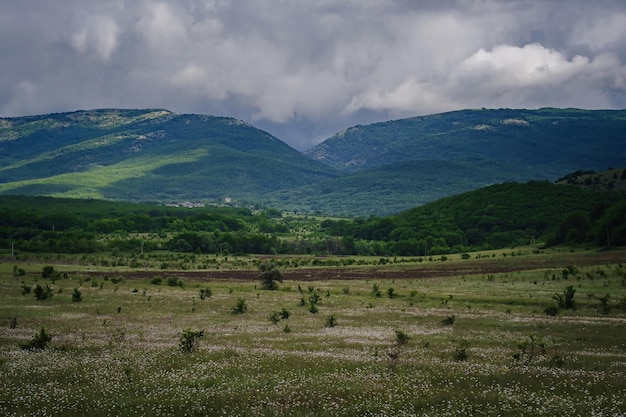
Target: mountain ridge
(383, 168)
(148, 147)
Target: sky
(304, 70)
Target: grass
(117, 352)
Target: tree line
(504, 215)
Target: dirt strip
(396, 271)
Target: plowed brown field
(395, 271)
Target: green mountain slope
(497, 216)
(142, 155)
(391, 188)
(552, 142)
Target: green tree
(270, 275)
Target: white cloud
(311, 68)
(98, 37)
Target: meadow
(149, 340)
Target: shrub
(284, 314)
(314, 298)
(529, 348)
(240, 306)
(313, 309)
(47, 271)
(448, 321)
(274, 317)
(552, 311)
(25, 289)
(460, 353)
(42, 293)
(174, 282)
(566, 299)
(205, 293)
(401, 337)
(156, 281)
(13, 323)
(38, 342)
(77, 296)
(331, 321)
(391, 292)
(189, 340)
(376, 290)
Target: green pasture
(477, 344)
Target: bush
(566, 299)
(77, 296)
(174, 282)
(205, 293)
(42, 293)
(529, 349)
(448, 321)
(189, 340)
(270, 276)
(552, 311)
(376, 290)
(25, 288)
(460, 353)
(156, 281)
(47, 272)
(240, 306)
(274, 317)
(391, 292)
(38, 342)
(401, 337)
(331, 321)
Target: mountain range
(156, 155)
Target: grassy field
(472, 344)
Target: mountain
(395, 165)
(147, 155)
(549, 142)
(155, 155)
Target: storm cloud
(305, 69)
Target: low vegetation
(450, 343)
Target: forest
(499, 216)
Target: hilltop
(155, 155)
(147, 155)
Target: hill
(147, 155)
(550, 142)
(609, 180)
(380, 169)
(498, 216)
(391, 189)
(395, 165)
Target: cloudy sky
(305, 69)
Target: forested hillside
(499, 216)
(155, 155)
(504, 215)
(147, 155)
(553, 142)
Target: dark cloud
(304, 70)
